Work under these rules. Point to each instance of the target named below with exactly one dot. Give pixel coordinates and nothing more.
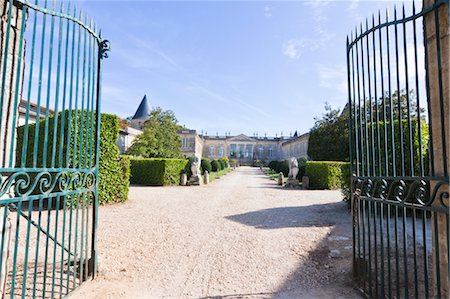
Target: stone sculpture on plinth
(293, 171)
(195, 179)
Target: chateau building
(244, 148)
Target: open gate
(50, 81)
(398, 73)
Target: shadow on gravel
(319, 215)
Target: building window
(221, 151)
(270, 152)
(211, 151)
(260, 152)
(185, 143)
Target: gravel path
(238, 237)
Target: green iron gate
(399, 201)
(50, 81)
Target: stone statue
(293, 172)
(293, 168)
(195, 167)
(195, 179)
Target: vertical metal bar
(385, 134)
(399, 99)
(375, 243)
(36, 256)
(39, 91)
(437, 254)
(49, 80)
(64, 97)
(382, 205)
(391, 105)
(54, 245)
(30, 81)
(27, 246)
(359, 109)
(369, 245)
(405, 253)
(2, 247)
(419, 120)
(408, 104)
(388, 241)
(70, 125)
(16, 246)
(354, 115)
(61, 279)
(366, 129)
(75, 135)
(425, 253)
(364, 235)
(416, 278)
(49, 214)
(75, 255)
(377, 108)
(397, 262)
(72, 197)
(371, 146)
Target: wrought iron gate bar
(48, 158)
(413, 17)
(397, 198)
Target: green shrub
(205, 165)
(301, 167)
(233, 162)
(273, 165)
(215, 166)
(283, 166)
(222, 163)
(325, 174)
(77, 147)
(225, 161)
(187, 168)
(156, 172)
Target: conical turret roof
(143, 111)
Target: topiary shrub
(205, 166)
(215, 166)
(74, 147)
(226, 162)
(156, 172)
(301, 167)
(273, 165)
(283, 166)
(325, 174)
(187, 168)
(222, 163)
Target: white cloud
(267, 11)
(292, 48)
(333, 77)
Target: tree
(328, 139)
(159, 138)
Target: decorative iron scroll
(24, 183)
(105, 47)
(414, 192)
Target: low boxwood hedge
(326, 174)
(156, 172)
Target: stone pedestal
(280, 179)
(183, 179)
(195, 180)
(292, 182)
(305, 182)
(206, 177)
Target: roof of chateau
(143, 111)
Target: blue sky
(239, 67)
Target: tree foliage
(328, 139)
(159, 138)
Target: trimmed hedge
(156, 172)
(215, 166)
(225, 161)
(113, 183)
(222, 163)
(326, 174)
(205, 165)
(280, 166)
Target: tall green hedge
(205, 166)
(76, 149)
(326, 174)
(156, 172)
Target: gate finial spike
(367, 24)
(373, 20)
(379, 17)
(387, 15)
(403, 10)
(414, 7)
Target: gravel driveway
(241, 236)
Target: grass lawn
(215, 175)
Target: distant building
(243, 148)
(128, 134)
(32, 112)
